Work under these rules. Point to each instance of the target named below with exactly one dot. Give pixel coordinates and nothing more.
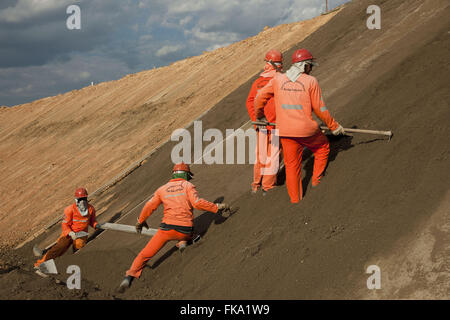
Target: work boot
(196, 238)
(125, 284)
(264, 192)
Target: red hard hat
(301, 55)
(81, 193)
(182, 167)
(274, 56)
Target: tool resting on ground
(349, 130)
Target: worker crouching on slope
(179, 198)
(297, 95)
(263, 176)
(77, 218)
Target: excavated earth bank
(376, 201)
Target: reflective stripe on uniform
(323, 109)
(174, 195)
(80, 220)
(292, 106)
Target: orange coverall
(272, 153)
(294, 104)
(179, 198)
(73, 221)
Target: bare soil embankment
(377, 195)
(87, 137)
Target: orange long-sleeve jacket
(74, 221)
(269, 110)
(179, 198)
(294, 104)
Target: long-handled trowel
(349, 130)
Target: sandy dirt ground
(418, 266)
(381, 202)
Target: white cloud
(165, 50)
(57, 77)
(214, 23)
(145, 37)
(84, 75)
(181, 7)
(27, 9)
(213, 37)
(217, 46)
(185, 20)
(22, 90)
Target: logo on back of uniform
(293, 86)
(175, 188)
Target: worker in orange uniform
(179, 198)
(297, 95)
(77, 218)
(263, 176)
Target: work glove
(261, 127)
(139, 226)
(98, 226)
(224, 210)
(72, 235)
(339, 131)
(222, 206)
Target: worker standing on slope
(270, 156)
(297, 95)
(77, 218)
(179, 198)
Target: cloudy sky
(40, 56)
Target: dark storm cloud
(35, 38)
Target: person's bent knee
(79, 243)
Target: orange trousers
(293, 151)
(62, 244)
(152, 247)
(267, 159)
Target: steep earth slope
(378, 198)
(87, 137)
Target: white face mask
(296, 70)
(82, 206)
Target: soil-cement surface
(381, 202)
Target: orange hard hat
(301, 55)
(81, 193)
(274, 56)
(182, 167)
